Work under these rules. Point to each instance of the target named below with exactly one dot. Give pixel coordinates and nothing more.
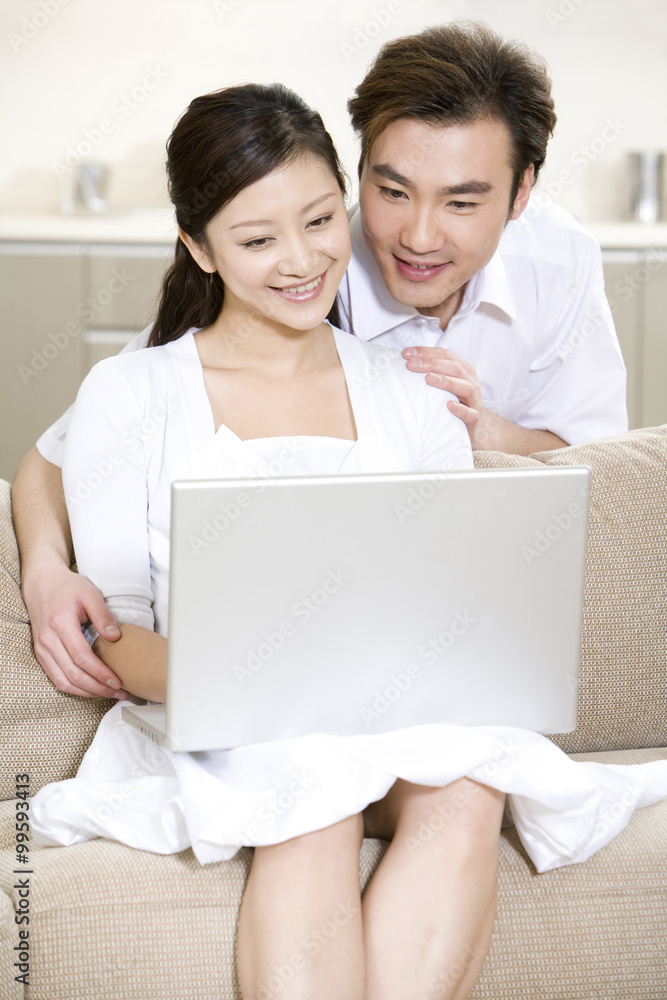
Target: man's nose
(422, 232)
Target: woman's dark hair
(224, 142)
(458, 74)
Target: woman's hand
(59, 602)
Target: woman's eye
(254, 244)
(320, 222)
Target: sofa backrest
(623, 670)
(623, 680)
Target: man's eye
(461, 205)
(320, 222)
(394, 193)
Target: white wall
(607, 58)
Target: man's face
(434, 201)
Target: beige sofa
(110, 922)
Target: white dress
(140, 422)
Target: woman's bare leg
(300, 931)
(429, 910)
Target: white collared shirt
(534, 323)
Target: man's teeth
(304, 288)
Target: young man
(501, 306)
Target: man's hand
(487, 430)
(58, 603)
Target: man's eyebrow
(270, 222)
(466, 187)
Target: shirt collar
(374, 308)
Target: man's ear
(199, 253)
(523, 194)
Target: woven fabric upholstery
(42, 730)
(110, 922)
(9, 988)
(623, 680)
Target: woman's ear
(198, 252)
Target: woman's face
(282, 245)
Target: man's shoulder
(547, 232)
(140, 367)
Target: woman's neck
(240, 340)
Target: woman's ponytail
(190, 297)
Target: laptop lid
(360, 604)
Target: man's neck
(446, 309)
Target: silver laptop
(366, 603)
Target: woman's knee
(464, 807)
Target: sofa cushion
(108, 921)
(42, 731)
(623, 674)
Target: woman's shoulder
(379, 366)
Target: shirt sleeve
(52, 442)
(105, 483)
(445, 442)
(581, 379)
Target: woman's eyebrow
(271, 222)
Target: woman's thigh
(463, 806)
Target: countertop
(158, 227)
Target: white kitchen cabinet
(636, 286)
(65, 306)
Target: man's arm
(58, 600)
(487, 430)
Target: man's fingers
(438, 359)
(467, 414)
(98, 613)
(466, 391)
(67, 677)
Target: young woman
(245, 377)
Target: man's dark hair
(457, 74)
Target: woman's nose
(298, 260)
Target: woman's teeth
(298, 289)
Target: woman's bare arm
(139, 658)
(58, 600)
